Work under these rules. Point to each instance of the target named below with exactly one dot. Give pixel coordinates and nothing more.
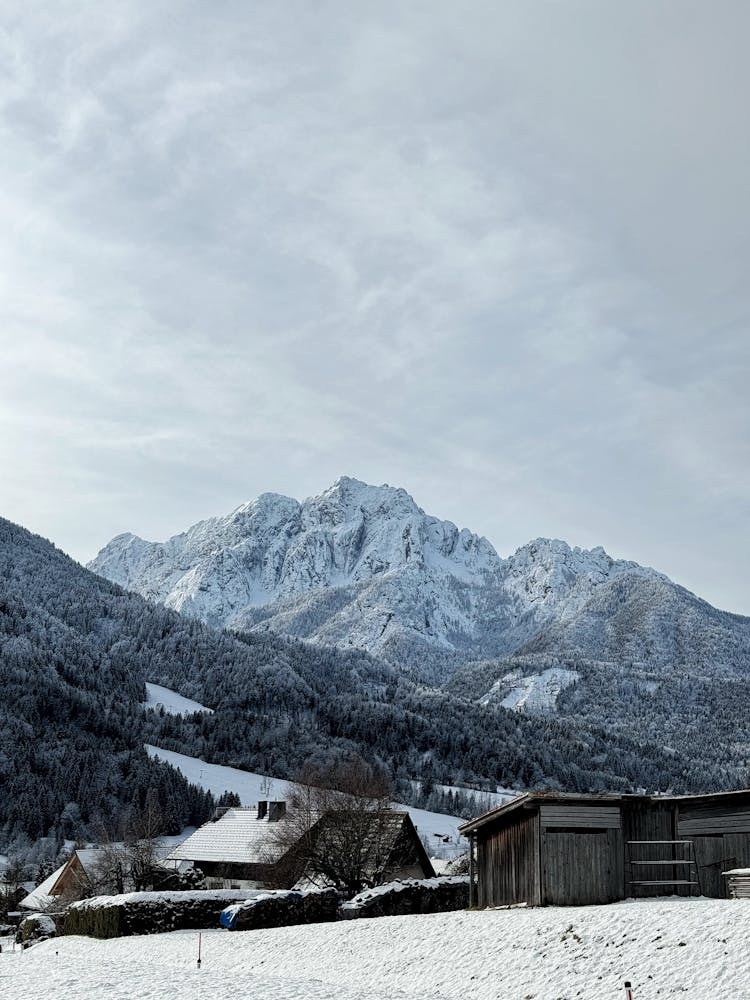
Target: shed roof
(531, 799)
(528, 799)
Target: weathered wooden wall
(720, 831)
(581, 854)
(647, 820)
(508, 863)
(567, 853)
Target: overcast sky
(495, 253)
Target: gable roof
(237, 837)
(40, 898)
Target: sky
(494, 252)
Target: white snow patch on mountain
(534, 692)
(172, 703)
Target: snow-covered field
(667, 948)
(252, 787)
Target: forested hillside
(76, 650)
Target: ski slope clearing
(441, 830)
(172, 703)
(667, 948)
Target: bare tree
(128, 857)
(339, 828)
(142, 844)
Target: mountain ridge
(365, 566)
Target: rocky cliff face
(365, 566)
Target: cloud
(494, 255)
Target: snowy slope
(365, 566)
(172, 702)
(670, 948)
(253, 787)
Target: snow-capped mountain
(365, 566)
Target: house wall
(73, 883)
(508, 863)
(226, 875)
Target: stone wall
(282, 909)
(431, 895)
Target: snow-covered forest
(77, 650)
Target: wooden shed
(545, 848)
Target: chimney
(262, 809)
(275, 811)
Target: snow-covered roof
(236, 837)
(89, 856)
(240, 837)
(39, 898)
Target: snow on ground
(172, 703)
(251, 787)
(667, 948)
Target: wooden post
(472, 891)
(199, 950)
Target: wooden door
(582, 866)
(710, 858)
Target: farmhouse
(548, 848)
(71, 881)
(248, 848)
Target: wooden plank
(507, 863)
(665, 861)
(716, 825)
(587, 817)
(668, 881)
(651, 824)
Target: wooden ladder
(689, 876)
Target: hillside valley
(77, 650)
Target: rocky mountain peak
(364, 565)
